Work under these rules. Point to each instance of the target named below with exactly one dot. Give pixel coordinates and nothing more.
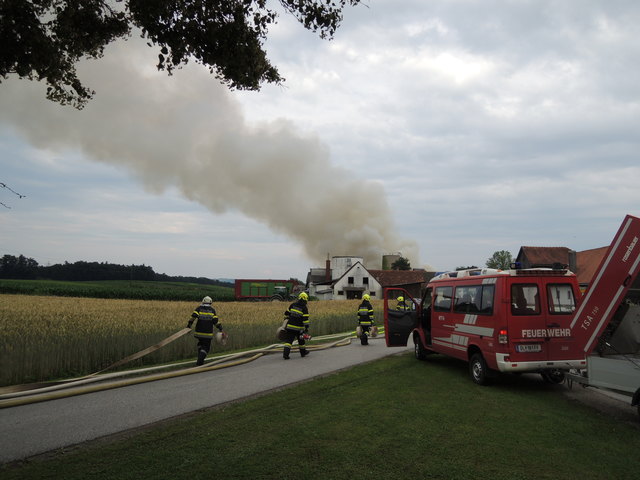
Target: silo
(389, 259)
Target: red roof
(546, 255)
(588, 262)
(395, 278)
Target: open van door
(613, 279)
(400, 316)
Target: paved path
(37, 428)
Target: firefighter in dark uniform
(365, 319)
(402, 304)
(206, 318)
(297, 316)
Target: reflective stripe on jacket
(206, 318)
(297, 316)
(365, 313)
(402, 306)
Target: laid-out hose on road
(69, 392)
(63, 383)
(21, 395)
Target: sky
(443, 130)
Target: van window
(474, 299)
(487, 299)
(442, 302)
(426, 299)
(561, 299)
(467, 299)
(525, 299)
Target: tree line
(23, 268)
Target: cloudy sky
(445, 130)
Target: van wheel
(418, 349)
(478, 369)
(553, 376)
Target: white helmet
(207, 300)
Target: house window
(350, 280)
(365, 280)
(340, 292)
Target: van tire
(418, 349)
(555, 377)
(478, 370)
(635, 400)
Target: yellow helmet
(303, 296)
(366, 297)
(401, 299)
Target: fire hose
(32, 393)
(63, 383)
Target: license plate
(528, 347)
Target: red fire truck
(520, 320)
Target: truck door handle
(553, 325)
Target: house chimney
(327, 270)
(573, 264)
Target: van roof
(485, 272)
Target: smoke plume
(188, 131)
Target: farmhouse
(583, 264)
(346, 278)
(343, 278)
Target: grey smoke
(188, 131)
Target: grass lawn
(395, 418)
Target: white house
(353, 281)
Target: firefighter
(402, 305)
(365, 319)
(297, 316)
(206, 319)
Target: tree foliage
(469, 267)
(501, 260)
(44, 39)
(18, 267)
(401, 264)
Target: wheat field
(44, 338)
